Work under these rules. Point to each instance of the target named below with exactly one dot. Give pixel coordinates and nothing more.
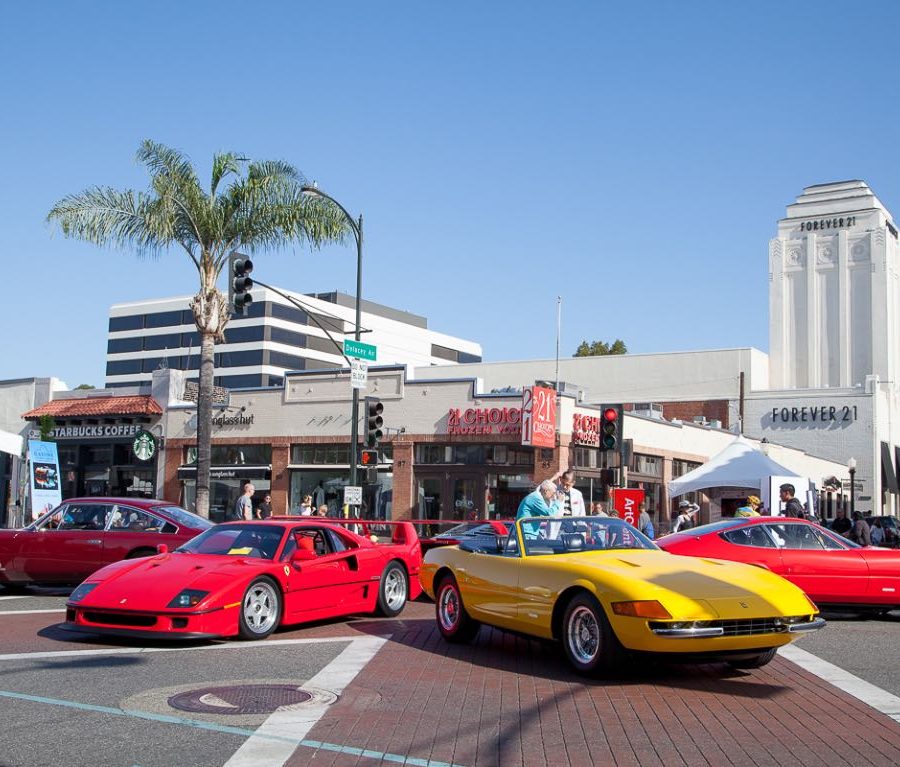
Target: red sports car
(829, 568)
(247, 578)
(82, 535)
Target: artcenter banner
(539, 416)
(46, 492)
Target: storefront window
(473, 455)
(326, 486)
(339, 454)
(223, 493)
(234, 455)
(680, 468)
(651, 465)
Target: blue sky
(631, 157)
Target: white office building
(277, 336)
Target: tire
(138, 553)
(260, 610)
(454, 623)
(756, 661)
(393, 590)
(590, 644)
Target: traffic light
(239, 284)
(368, 458)
(610, 428)
(374, 422)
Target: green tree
(248, 205)
(84, 386)
(600, 348)
(46, 425)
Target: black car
(891, 530)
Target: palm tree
(261, 207)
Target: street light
(851, 467)
(357, 229)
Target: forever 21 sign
(814, 414)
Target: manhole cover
(239, 699)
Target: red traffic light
(610, 414)
(368, 457)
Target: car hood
(153, 582)
(713, 584)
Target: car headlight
(645, 608)
(188, 598)
(82, 591)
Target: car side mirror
(302, 556)
(162, 548)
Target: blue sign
(46, 492)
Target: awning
(888, 475)
(92, 407)
(10, 443)
(228, 472)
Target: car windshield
(186, 518)
(259, 541)
(566, 535)
(714, 527)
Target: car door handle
(94, 541)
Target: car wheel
(393, 590)
(260, 610)
(755, 661)
(590, 644)
(453, 621)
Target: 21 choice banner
(46, 492)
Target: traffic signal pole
(354, 412)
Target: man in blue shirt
(539, 503)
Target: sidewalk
(510, 701)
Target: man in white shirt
(569, 501)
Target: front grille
(751, 626)
(120, 619)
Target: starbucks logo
(144, 445)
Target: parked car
(829, 568)
(81, 535)
(246, 578)
(605, 591)
(484, 532)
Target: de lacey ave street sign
(359, 350)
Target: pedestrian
(306, 507)
(792, 506)
(685, 519)
(750, 508)
(645, 524)
(860, 533)
(876, 531)
(569, 499)
(243, 506)
(322, 511)
(538, 502)
(597, 509)
(840, 524)
(264, 510)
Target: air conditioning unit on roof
(648, 409)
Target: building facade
(276, 336)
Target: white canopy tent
(741, 464)
(10, 443)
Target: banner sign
(46, 492)
(539, 416)
(627, 501)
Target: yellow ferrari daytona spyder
(605, 591)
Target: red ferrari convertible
(82, 535)
(829, 568)
(247, 578)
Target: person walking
(876, 531)
(306, 508)
(860, 533)
(792, 506)
(645, 524)
(840, 524)
(685, 519)
(243, 506)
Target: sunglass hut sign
(484, 420)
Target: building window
(288, 337)
(132, 322)
(289, 313)
(244, 334)
(249, 381)
(649, 465)
(123, 367)
(164, 341)
(124, 345)
(239, 359)
(680, 468)
(286, 361)
(234, 455)
(466, 357)
(585, 457)
(163, 319)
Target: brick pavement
(510, 701)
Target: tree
(46, 425)
(261, 207)
(84, 386)
(600, 348)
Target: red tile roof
(87, 407)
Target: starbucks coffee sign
(144, 445)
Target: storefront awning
(228, 472)
(92, 407)
(10, 443)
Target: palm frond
(224, 165)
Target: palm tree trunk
(204, 421)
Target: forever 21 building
(275, 337)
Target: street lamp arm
(313, 190)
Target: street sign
(360, 350)
(352, 495)
(359, 374)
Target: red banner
(627, 501)
(539, 417)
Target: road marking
(17, 596)
(31, 612)
(868, 693)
